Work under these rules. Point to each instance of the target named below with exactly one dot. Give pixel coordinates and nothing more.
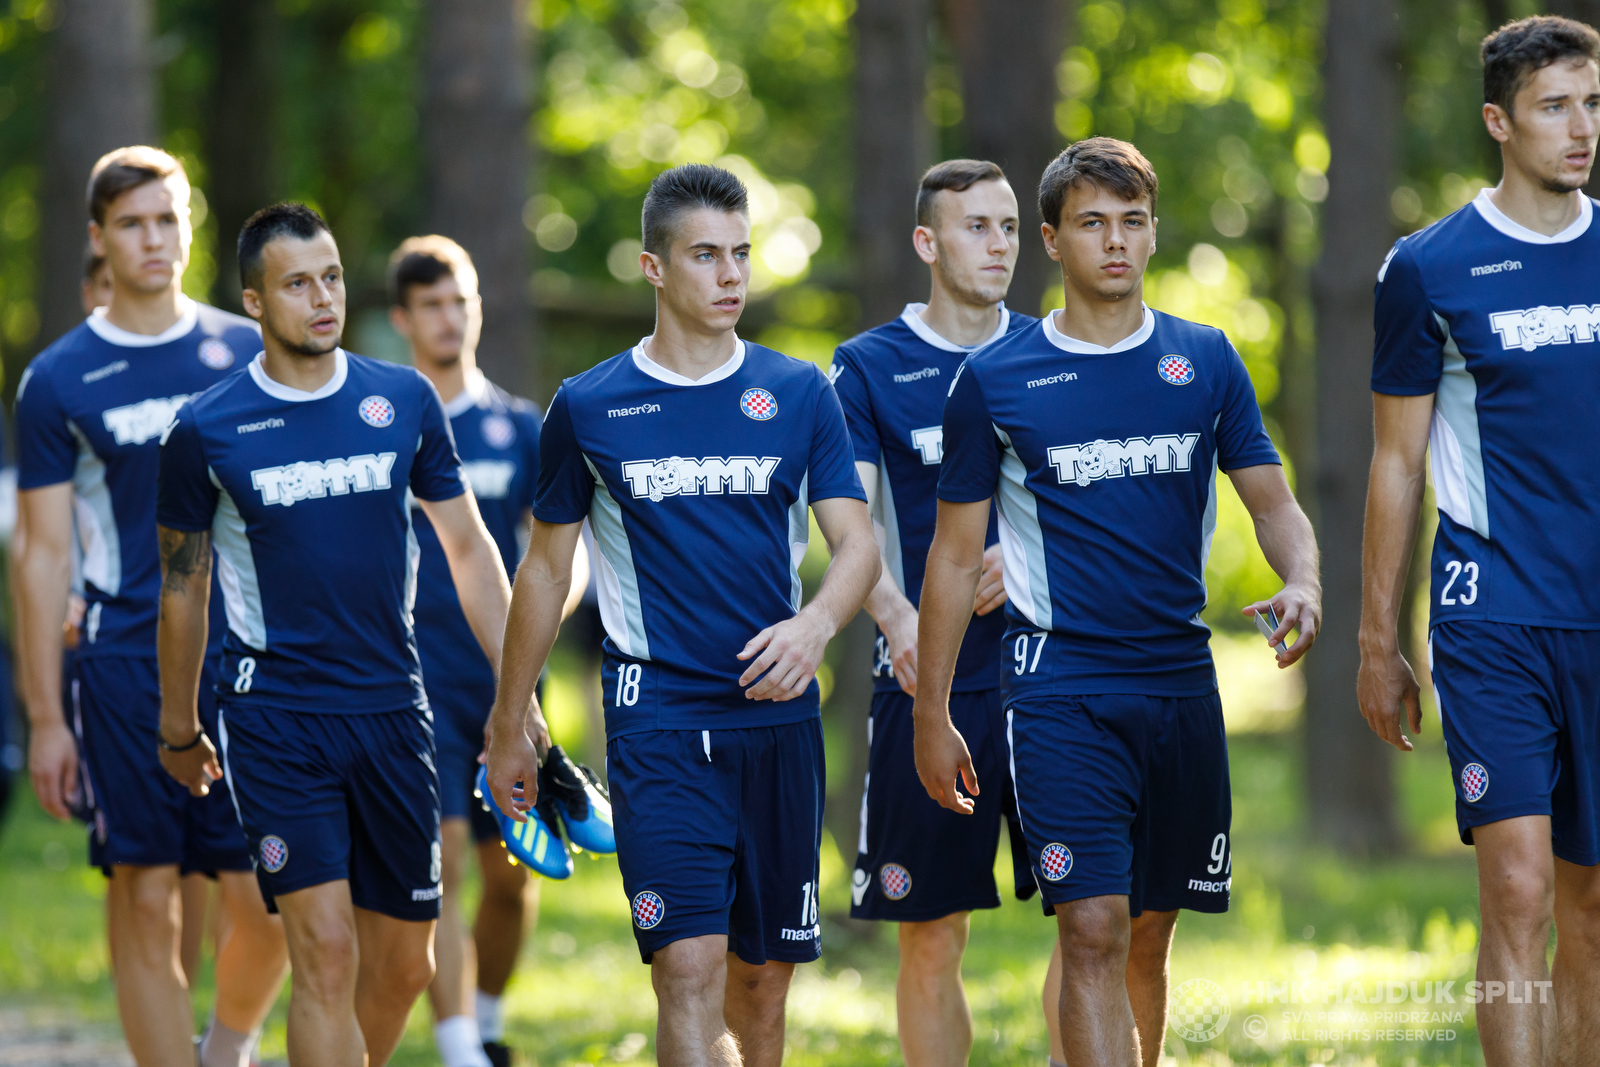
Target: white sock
(458, 1042)
(491, 1017)
(1055, 1062)
(224, 1047)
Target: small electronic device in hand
(1267, 623)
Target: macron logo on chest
(134, 424)
(677, 476)
(314, 479)
(1085, 463)
(1532, 327)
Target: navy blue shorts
(1521, 711)
(1125, 795)
(143, 817)
(720, 832)
(917, 861)
(325, 798)
(458, 720)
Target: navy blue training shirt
(1501, 324)
(305, 495)
(697, 492)
(497, 438)
(892, 382)
(90, 411)
(1104, 463)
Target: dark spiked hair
(266, 226)
(693, 185)
(1517, 51)
(1103, 162)
(956, 176)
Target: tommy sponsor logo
(1496, 268)
(490, 478)
(810, 933)
(1201, 886)
(917, 375)
(431, 893)
(930, 442)
(1532, 327)
(1094, 460)
(314, 479)
(134, 424)
(1065, 376)
(677, 476)
(264, 424)
(642, 409)
(105, 372)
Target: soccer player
(917, 864)
(433, 287)
(90, 411)
(695, 456)
(297, 472)
(1485, 349)
(1100, 430)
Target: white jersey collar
(279, 391)
(672, 377)
(1084, 348)
(472, 394)
(1511, 228)
(912, 317)
(188, 317)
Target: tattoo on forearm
(183, 554)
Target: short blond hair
(423, 261)
(122, 169)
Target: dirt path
(49, 1037)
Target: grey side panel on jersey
(1455, 445)
(1208, 522)
(799, 538)
(890, 520)
(97, 522)
(1027, 578)
(616, 581)
(236, 571)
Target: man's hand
(53, 765)
(792, 650)
(195, 769)
(991, 584)
(1387, 690)
(1299, 608)
(900, 632)
(512, 756)
(942, 755)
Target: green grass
(581, 995)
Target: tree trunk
(1008, 54)
(475, 113)
(1583, 10)
(892, 150)
(240, 129)
(102, 96)
(1349, 771)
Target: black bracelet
(180, 748)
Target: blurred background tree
(1284, 131)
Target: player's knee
(325, 956)
(1093, 934)
(411, 971)
(688, 969)
(1519, 898)
(766, 987)
(933, 947)
(149, 900)
(505, 885)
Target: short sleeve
(528, 428)
(436, 469)
(566, 487)
(851, 386)
(47, 454)
(971, 468)
(831, 468)
(1241, 439)
(1408, 347)
(186, 497)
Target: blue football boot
(574, 793)
(536, 842)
